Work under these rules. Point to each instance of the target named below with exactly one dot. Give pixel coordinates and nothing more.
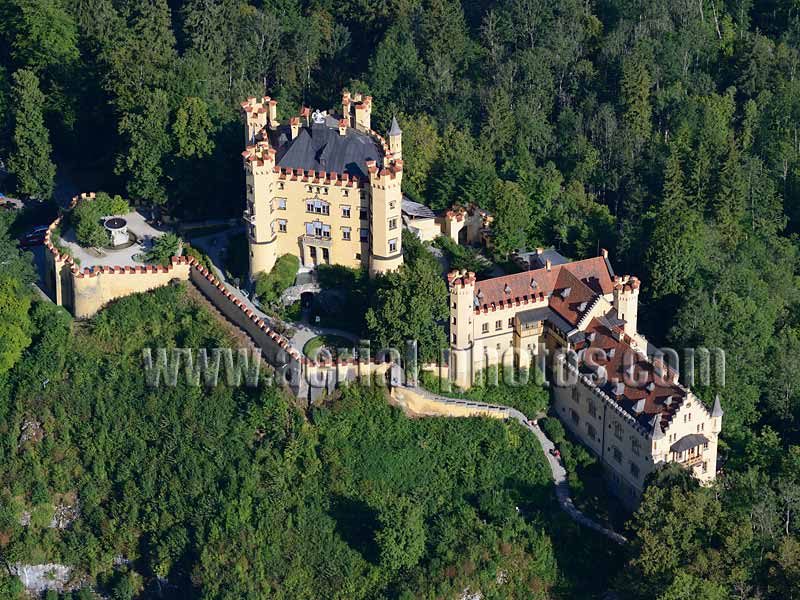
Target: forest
(666, 132)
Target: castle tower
(259, 161)
(346, 111)
(716, 416)
(255, 115)
(386, 225)
(462, 298)
(395, 140)
(626, 302)
(363, 113)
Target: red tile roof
(640, 378)
(591, 273)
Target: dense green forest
(664, 131)
(231, 493)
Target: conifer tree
(674, 245)
(730, 201)
(30, 161)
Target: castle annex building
(324, 188)
(616, 394)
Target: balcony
(692, 461)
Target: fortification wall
(96, 287)
(275, 348)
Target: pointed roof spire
(395, 128)
(717, 410)
(655, 425)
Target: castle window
(617, 455)
(393, 245)
(362, 194)
(498, 325)
(281, 203)
(636, 446)
(345, 211)
(575, 417)
(282, 225)
(511, 322)
(280, 185)
(454, 338)
(591, 431)
(618, 430)
(362, 213)
(346, 233)
(393, 223)
(319, 207)
(592, 409)
(575, 393)
(345, 193)
(318, 229)
(392, 204)
(309, 189)
(485, 328)
(364, 234)
(272, 226)
(634, 470)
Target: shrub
(164, 248)
(460, 257)
(553, 429)
(86, 216)
(200, 256)
(270, 286)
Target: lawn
(339, 346)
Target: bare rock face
(30, 431)
(40, 578)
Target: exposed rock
(40, 578)
(30, 431)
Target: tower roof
(321, 148)
(395, 128)
(716, 411)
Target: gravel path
(556, 468)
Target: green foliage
(461, 257)
(192, 129)
(199, 255)
(86, 218)
(406, 303)
(145, 130)
(512, 215)
(30, 161)
(164, 248)
(270, 286)
(553, 429)
(46, 34)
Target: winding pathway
(558, 473)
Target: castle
(616, 393)
(324, 188)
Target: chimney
(539, 250)
(548, 264)
(603, 252)
(342, 126)
(305, 112)
(294, 123)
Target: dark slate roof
(321, 148)
(688, 441)
(395, 128)
(416, 210)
